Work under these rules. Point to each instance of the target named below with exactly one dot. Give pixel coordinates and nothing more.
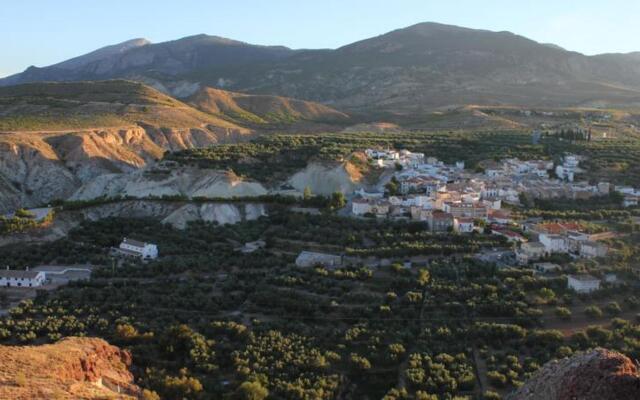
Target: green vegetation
(78, 105)
(206, 321)
(271, 157)
(268, 158)
(22, 221)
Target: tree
(393, 187)
(150, 395)
(337, 200)
(306, 195)
(423, 277)
(491, 395)
(547, 294)
(396, 350)
(563, 313)
(613, 309)
(126, 331)
(252, 390)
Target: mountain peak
(102, 53)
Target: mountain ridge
(421, 67)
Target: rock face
(191, 182)
(325, 179)
(73, 368)
(596, 375)
(177, 214)
(221, 213)
(37, 168)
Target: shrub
(563, 313)
(593, 312)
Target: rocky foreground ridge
(73, 368)
(599, 374)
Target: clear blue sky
(43, 32)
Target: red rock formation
(596, 375)
(78, 368)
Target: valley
(434, 213)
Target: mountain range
(422, 67)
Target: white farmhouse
(583, 283)
(139, 249)
(14, 278)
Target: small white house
(15, 278)
(583, 283)
(140, 249)
(463, 225)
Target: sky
(43, 32)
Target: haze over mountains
(425, 66)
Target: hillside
(77, 105)
(59, 135)
(262, 110)
(55, 137)
(78, 368)
(421, 67)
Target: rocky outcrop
(32, 172)
(177, 214)
(74, 368)
(221, 213)
(174, 181)
(327, 178)
(36, 168)
(599, 374)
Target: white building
(139, 249)
(630, 201)
(591, 249)
(553, 243)
(14, 278)
(530, 251)
(564, 173)
(569, 168)
(360, 206)
(463, 225)
(583, 283)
